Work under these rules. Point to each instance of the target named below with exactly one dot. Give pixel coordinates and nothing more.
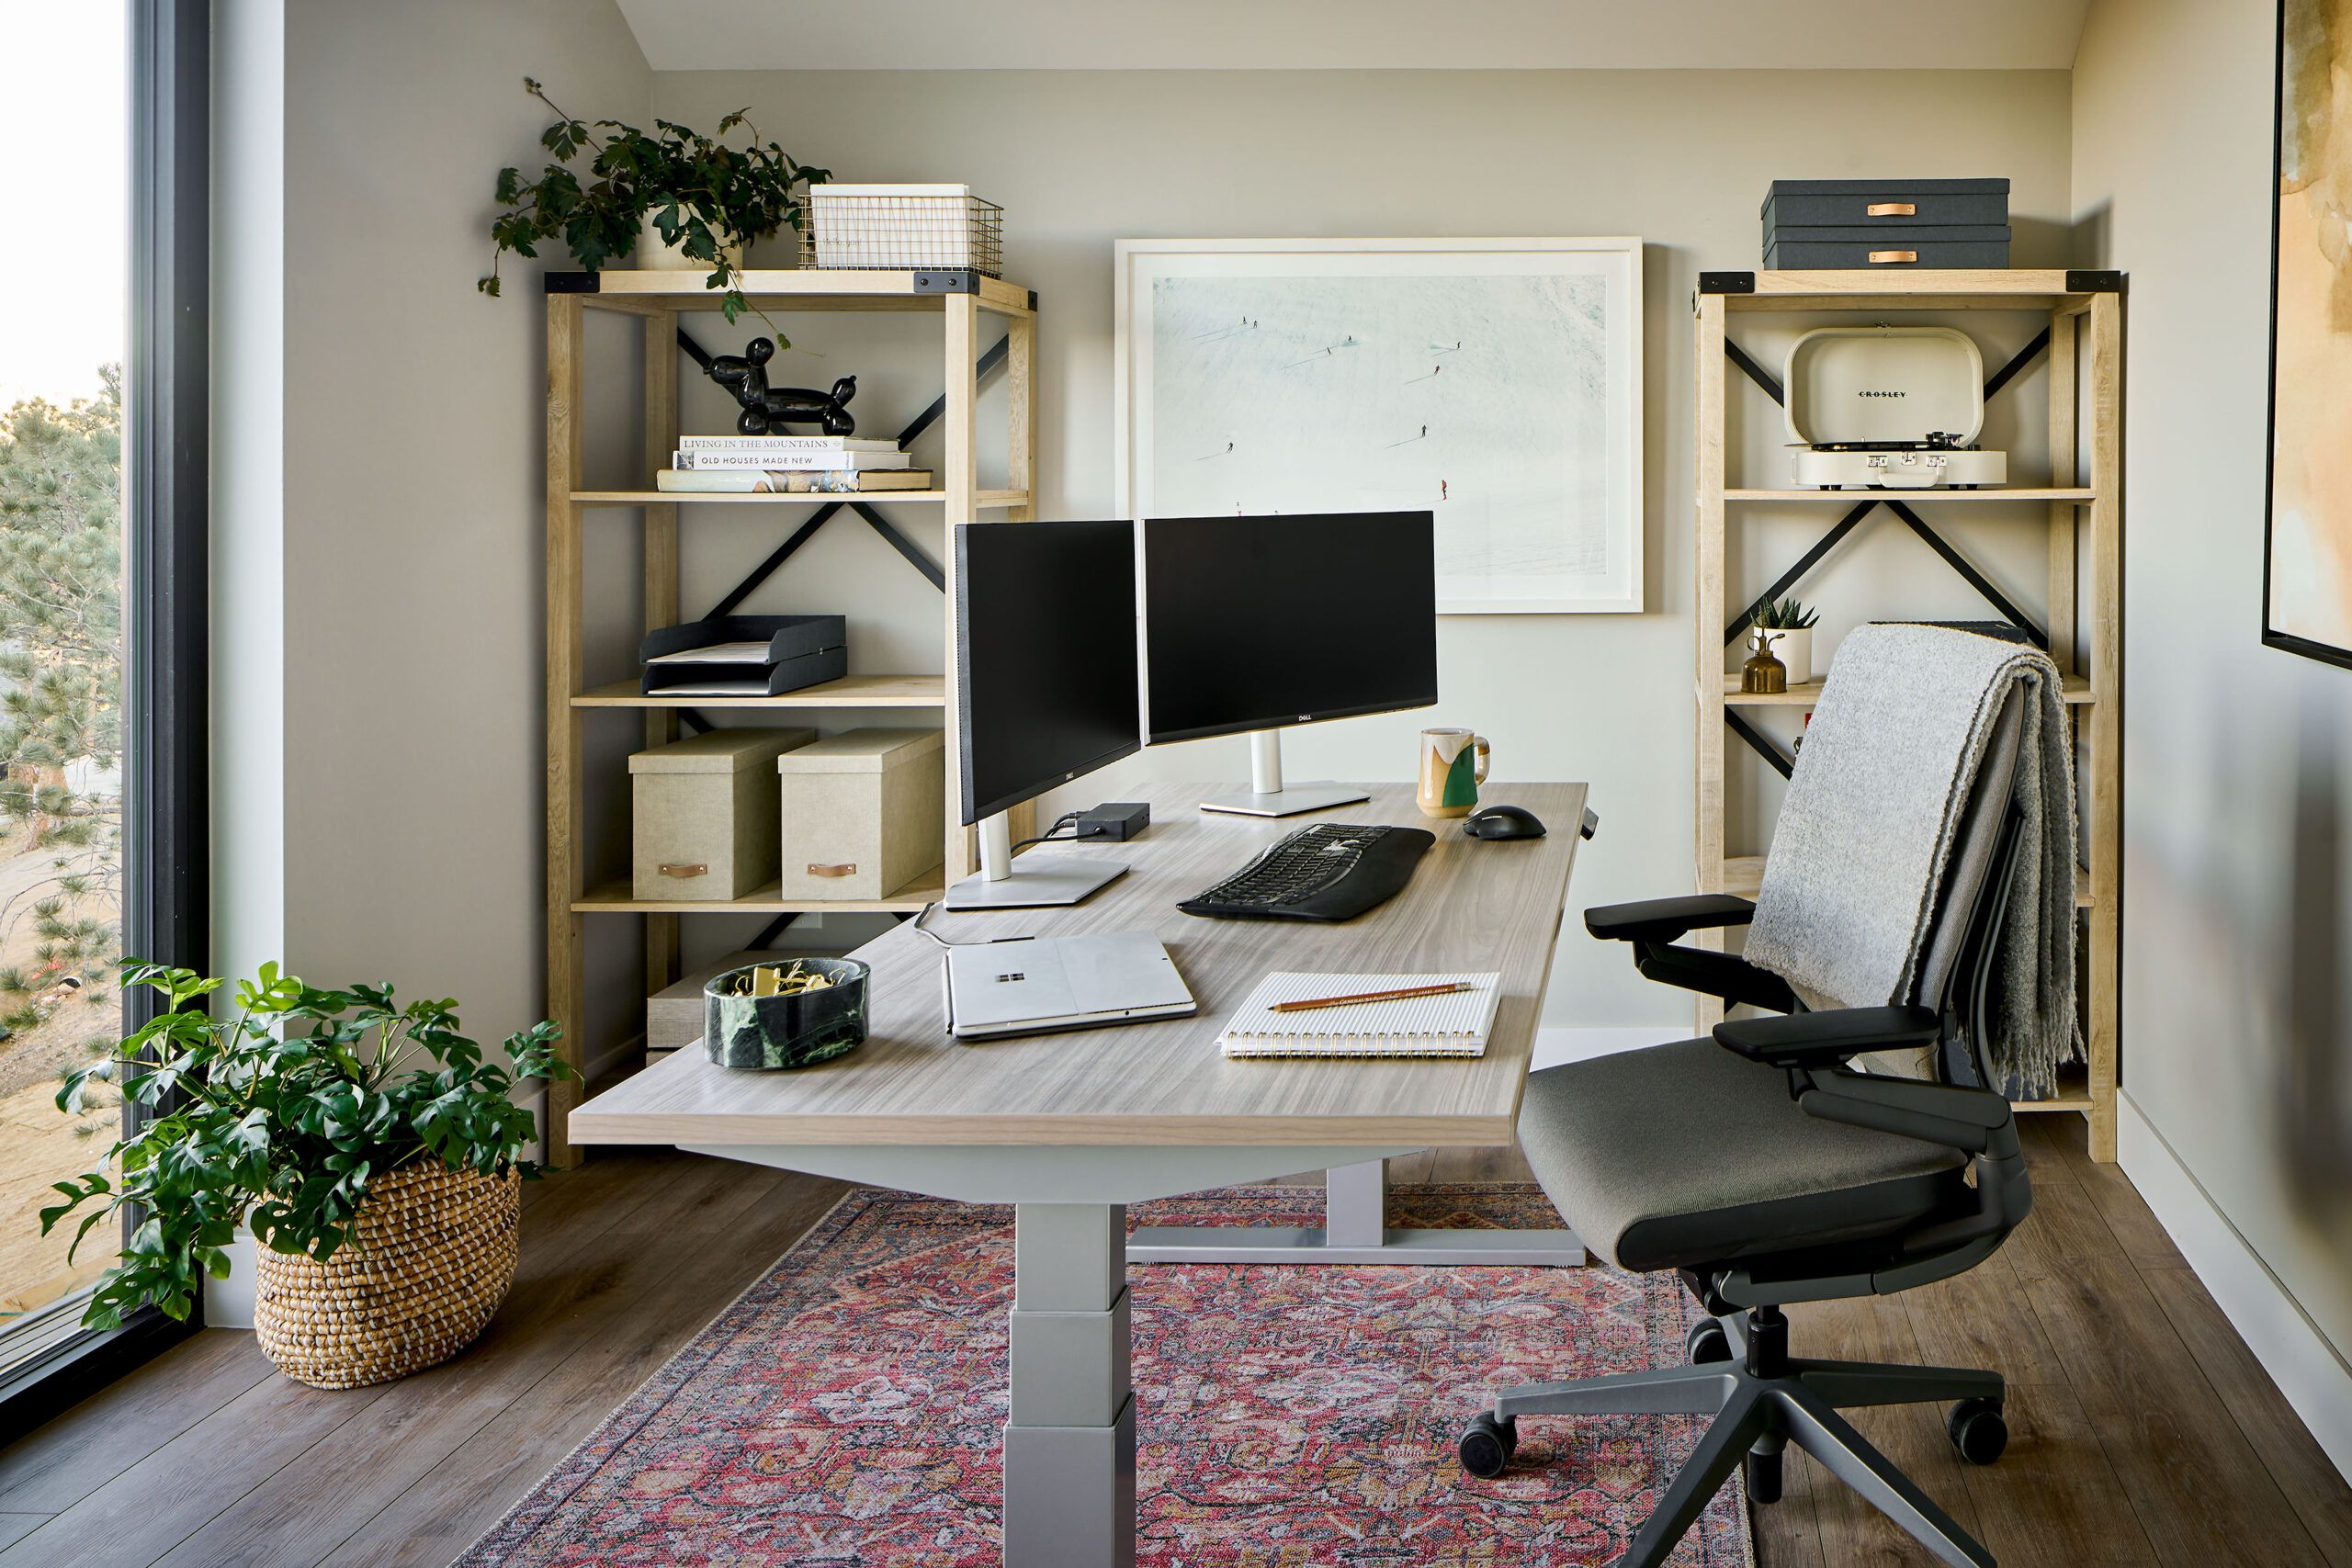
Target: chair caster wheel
(1488, 1444)
(1763, 1477)
(1705, 1341)
(1977, 1430)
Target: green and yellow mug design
(1454, 765)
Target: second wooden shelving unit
(2086, 555)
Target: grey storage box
(1895, 224)
(1888, 251)
(864, 813)
(1887, 204)
(703, 815)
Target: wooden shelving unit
(2086, 523)
(960, 299)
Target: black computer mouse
(1503, 822)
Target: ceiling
(1289, 35)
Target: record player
(1888, 408)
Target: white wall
(1683, 158)
(2237, 869)
(414, 429)
(248, 457)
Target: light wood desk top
(1470, 905)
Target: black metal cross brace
(989, 363)
(1993, 383)
(1764, 378)
(1761, 743)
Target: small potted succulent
(1791, 624)
(373, 1151)
(673, 189)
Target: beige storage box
(864, 812)
(702, 815)
(673, 1014)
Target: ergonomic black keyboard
(1330, 871)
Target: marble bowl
(742, 1031)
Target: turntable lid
(1883, 384)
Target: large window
(102, 288)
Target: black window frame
(166, 434)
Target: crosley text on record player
(1888, 408)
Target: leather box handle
(1893, 209)
(684, 870)
(847, 868)
(1880, 258)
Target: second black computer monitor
(1254, 623)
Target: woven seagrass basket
(428, 1262)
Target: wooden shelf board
(806, 289)
(986, 498)
(1916, 288)
(1938, 496)
(849, 691)
(617, 898)
(1744, 874)
(1807, 694)
(2078, 1101)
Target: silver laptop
(1040, 984)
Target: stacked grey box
(1894, 224)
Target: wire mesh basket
(904, 228)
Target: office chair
(1765, 1170)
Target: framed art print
(2307, 540)
(1494, 383)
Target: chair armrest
(1826, 1039)
(1663, 919)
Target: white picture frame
(1531, 458)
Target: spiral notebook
(1454, 1024)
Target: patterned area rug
(846, 1410)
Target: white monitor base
(1288, 801)
(1037, 882)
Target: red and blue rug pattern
(846, 1409)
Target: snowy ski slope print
(1494, 384)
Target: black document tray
(801, 651)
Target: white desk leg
(1069, 1447)
(1354, 1230)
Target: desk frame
(1354, 1230)
(1125, 1115)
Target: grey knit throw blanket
(1868, 825)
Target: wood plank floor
(2142, 1431)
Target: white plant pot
(1796, 651)
(652, 256)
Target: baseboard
(2307, 1367)
(1555, 1046)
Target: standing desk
(1070, 1128)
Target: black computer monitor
(1255, 622)
(1047, 689)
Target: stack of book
(787, 465)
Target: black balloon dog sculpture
(767, 410)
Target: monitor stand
(1031, 882)
(1269, 796)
